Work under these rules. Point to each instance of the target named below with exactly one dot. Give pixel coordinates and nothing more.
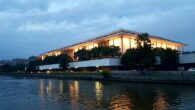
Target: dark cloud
(31, 27)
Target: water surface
(54, 94)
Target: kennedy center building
(122, 38)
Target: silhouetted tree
(7, 68)
(142, 55)
(19, 67)
(83, 54)
(64, 59)
(33, 65)
(98, 52)
(169, 57)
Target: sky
(31, 27)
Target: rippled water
(53, 94)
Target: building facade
(122, 38)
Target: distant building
(125, 39)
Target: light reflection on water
(49, 94)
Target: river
(17, 93)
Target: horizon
(29, 28)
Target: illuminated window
(111, 42)
(164, 46)
(174, 47)
(117, 42)
(158, 44)
(43, 57)
(169, 46)
(126, 44)
(89, 47)
(153, 44)
(133, 43)
(95, 45)
(75, 50)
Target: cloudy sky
(31, 27)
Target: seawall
(176, 77)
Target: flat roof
(117, 32)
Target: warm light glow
(153, 44)
(98, 91)
(160, 103)
(117, 42)
(126, 44)
(95, 45)
(74, 93)
(129, 41)
(169, 46)
(120, 103)
(174, 47)
(49, 87)
(76, 49)
(43, 57)
(164, 46)
(48, 72)
(159, 45)
(57, 53)
(61, 86)
(111, 42)
(89, 47)
(133, 43)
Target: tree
(20, 67)
(142, 55)
(114, 51)
(95, 52)
(130, 57)
(51, 60)
(7, 68)
(33, 65)
(139, 56)
(103, 51)
(169, 57)
(83, 54)
(143, 40)
(64, 59)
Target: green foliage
(98, 52)
(106, 74)
(142, 55)
(138, 56)
(33, 64)
(169, 57)
(83, 54)
(7, 68)
(51, 60)
(19, 67)
(64, 59)
(143, 40)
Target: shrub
(106, 74)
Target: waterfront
(48, 94)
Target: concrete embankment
(129, 76)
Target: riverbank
(177, 77)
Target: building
(125, 39)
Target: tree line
(97, 52)
(34, 62)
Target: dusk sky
(32, 27)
